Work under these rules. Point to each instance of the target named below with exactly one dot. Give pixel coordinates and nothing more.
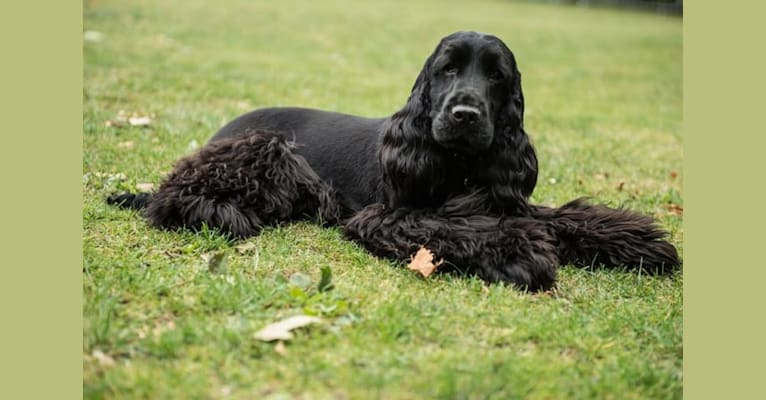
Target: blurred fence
(674, 7)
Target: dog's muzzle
(463, 123)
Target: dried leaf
(423, 263)
(126, 145)
(134, 119)
(93, 36)
(103, 359)
(602, 176)
(675, 209)
(246, 247)
(673, 174)
(140, 121)
(281, 330)
(300, 280)
(145, 187)
(620, 186)
(114, 122)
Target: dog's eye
(450, 69)
(496, 75)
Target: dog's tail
(127, 200)
(592, 235)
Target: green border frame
(723, 110)
(41, 284)
(41, 287)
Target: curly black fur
(592, 235)
(452, 170)
(239, 185)
(419, 170)
(518, 250)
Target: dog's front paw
(533, 275)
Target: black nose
(465, 114)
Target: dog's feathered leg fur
(514, 250)
(238, 185)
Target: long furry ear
(407, 160)
(517, 99)
(512, 166)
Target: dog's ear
(517, 98)
(511, 173)
(407, 160)
(418, 107)
(511, 167)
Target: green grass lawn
(603, 96)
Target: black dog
(452, 170)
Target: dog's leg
(590, 235)
(517, 251)
(237, 186)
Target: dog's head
(463, 122)
(468, 89)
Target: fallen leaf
(281, 330)
(112, 179)
(675, 209)
(422, 262)
(620, 186)
(93, 36)
(602, 176)
(193, 145)
(103, 359)
(300, 280)
(673, 174)
(134, 119)
(246, 247)
(140, 121)
(145, 187)
(142, 331)
(126, 145)
(114, 122)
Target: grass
(603, 94)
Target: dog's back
(338, 147)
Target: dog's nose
(465, 114)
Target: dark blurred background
(672, 7)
